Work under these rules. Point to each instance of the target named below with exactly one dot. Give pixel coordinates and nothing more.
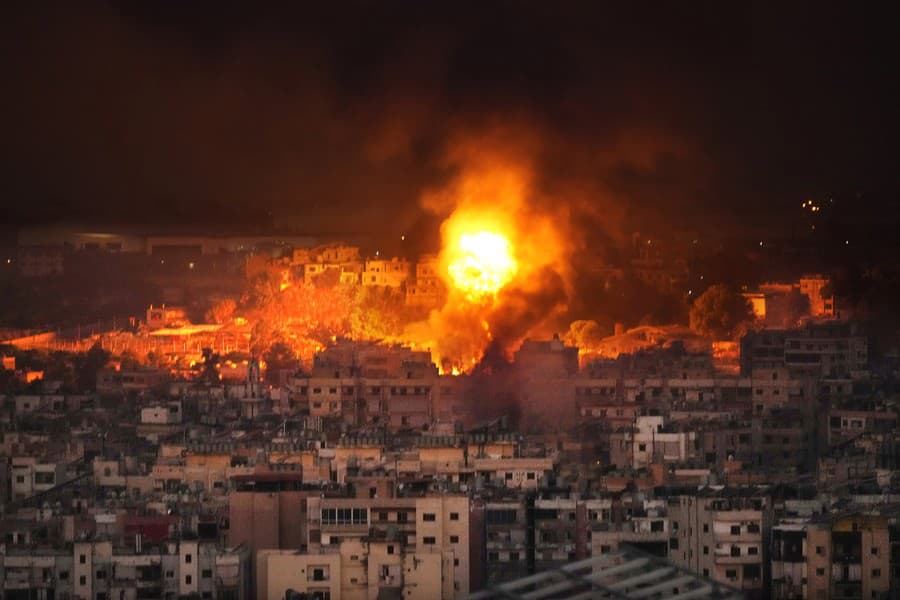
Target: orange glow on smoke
(481, 263)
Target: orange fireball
(481, 263)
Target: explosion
(501, 287)
(481, 264)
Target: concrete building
(844, 556)
(721, 534)
(267, 510)
(98, 569)
(397, 534)
(387, 273)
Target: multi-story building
(387, 273)
(722, 534)
(824, 350)
(364, 547)
(267, 510)
(96, 569)
(846, 556)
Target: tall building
(721, 534)
(373, 548)
(844, 556)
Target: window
(82, 558)
(820, 550)
(673, 543)
(705, 549)
(874, 550)
(876, 572)
(206, 573)
(753, 550)
(20, 479)
(513, 556)
(390, 549)
(188, 558)
(493, 556)
(500, 516)
(428, 517)
(735, 530)
(735, 550)
(530, 475)
(402, 517)
(820, 572)
(604, 549)
(456, 561)
(642, 447)
(188, 580)
(508, 476)
(82, 580)
(454, 539)
(170, 574)
(753, 528)
(428, 540)
(345, 516)
(101, 574)
(63, 575)
(454, 516)
(706, 572)
(382, 516)
(706, 528)
(731, 573)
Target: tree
(585, 334)
(222, 311)
(279, 357)
(718, 311)
(209, 366)
(88, 364)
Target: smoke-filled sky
(341, 119)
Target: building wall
(280, 570)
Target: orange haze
(504, 259)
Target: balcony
(15, 581)
(724, 557)
(744, 537)
(361, 528)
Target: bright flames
(481, 263)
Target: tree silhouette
(718, 311)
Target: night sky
(234, 115)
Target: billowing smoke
(494, 189)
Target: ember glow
(481, 264)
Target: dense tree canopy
(718, 311)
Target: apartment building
(369, 548)
(98, 570)
(843, 556)
(721, 533)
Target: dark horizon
(226, 114)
